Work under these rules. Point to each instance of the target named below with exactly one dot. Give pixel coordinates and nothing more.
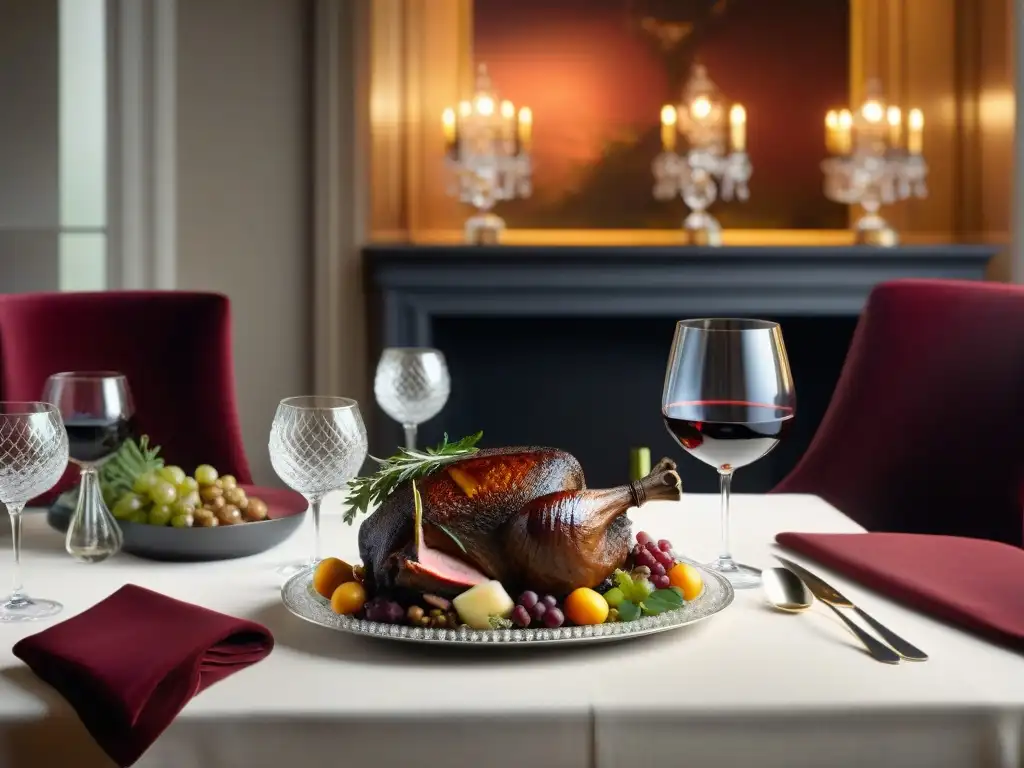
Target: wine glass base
(290, 569)
(740, 576)
(27, 609)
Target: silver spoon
(787, 592)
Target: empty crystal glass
(33, 456)
(317, 444)
(97, 410)
(411, 386)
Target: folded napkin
(976, 584)
(129, 664)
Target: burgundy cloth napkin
(976, 584)
(129, 664)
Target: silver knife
(832, 598)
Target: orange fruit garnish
(349, 598)
(330, 574)
(585, 606)
(688, 579)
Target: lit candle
(525, 129)
(872, 111)
(915, 131)
(448, 125)
(508, 111)
(738, 128)
(668, 128)
(844, 132)
(701, 108)
(831, 131)
(895, 120)
(484, 106)
(465, 109)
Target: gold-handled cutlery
(900, 648)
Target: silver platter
(301, 599)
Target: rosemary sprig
(407, 464)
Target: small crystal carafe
(93, 534)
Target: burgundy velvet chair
(925, 431)
(174, 347)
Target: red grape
(549, 600)
(528, 599)
(661, 581)
(665, 545)
(538, 610)
(643, 537)
(553, 618)
(652, 547)
(658, 570)
(664, 558)
(521, 616)
(646, 558)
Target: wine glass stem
(410, 436)
(725, 560)
(314, 506)
(14, 510)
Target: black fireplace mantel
(412, 284)
(591, 382)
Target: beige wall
(244, 191)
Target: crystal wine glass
(97, 410)
(411, 386)
(728, 400)
(317, 444)
(33, 456)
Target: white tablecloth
(751, 686)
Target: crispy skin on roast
(523, 515)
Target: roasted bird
(523, 516)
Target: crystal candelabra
(487, 149)
(871, 164)
(701, 118)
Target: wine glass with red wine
(728, 400)
(98, 415)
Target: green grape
(187, 485)
(160, 515)
(642, 589)
(191, 498)
(182, 507)
(145, 481)
(138, 516)
(163, 492)
(205, 474)
(172, 474)
(182, 521)
(127, 505)
(614, 596)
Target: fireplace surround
(566, 346)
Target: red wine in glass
(92, 439)
(727, 434)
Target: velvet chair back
(174, 347)
(925, 431)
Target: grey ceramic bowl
(284, 516)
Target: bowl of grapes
(167, 514)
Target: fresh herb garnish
(640, 597)
(118, 473)
(407, 464)
(497, 622)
